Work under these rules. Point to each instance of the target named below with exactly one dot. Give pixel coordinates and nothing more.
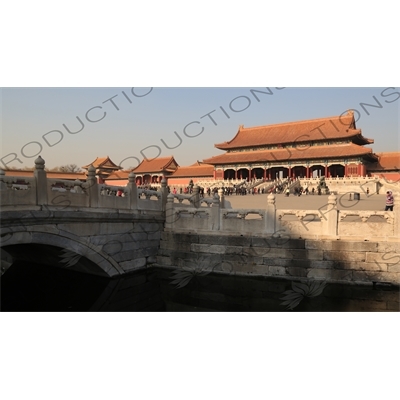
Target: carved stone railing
(364, 185)
(329, 223)
(38, 191)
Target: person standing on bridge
(389, 201)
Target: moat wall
(295, 259)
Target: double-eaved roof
(321, 129)
(322, 138)
(299, 153)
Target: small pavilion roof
(157, 165)
(104, 163)
(338, 127)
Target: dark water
(27, 286)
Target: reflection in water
(31, 287)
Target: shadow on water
(27, 286)
(33, 287)
(216, 292)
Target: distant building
(387, 167)
(152, 171)
(330, 147)
(104, 168)
(147, 172)
(196, 172)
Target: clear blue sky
(30, 113)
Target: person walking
(389, 201)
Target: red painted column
(307, 172)
(250, 174)
(326, 171)
(265, 174)
(214, 173)
(290, 172)
(236, 174)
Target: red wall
(185, 181)
(389, 176)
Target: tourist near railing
(42, 191)
(221, 183)
(327, 223)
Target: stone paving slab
(375, 202)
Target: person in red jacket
(389, 201)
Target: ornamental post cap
(39, 161)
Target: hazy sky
(134, 122)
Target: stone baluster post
(78, 186)
(330, 217)
(3, 185)
(215, 214)
(270, 215)
(41, 182)
(91, 185)
(169, 212)
(221, 198)
(164, 193)
(133, 192)
(396, 212)
(196, 196)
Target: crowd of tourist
(279, 188)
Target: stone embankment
(301, 259)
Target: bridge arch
(106, 265)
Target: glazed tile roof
(387, 161)
(196, 170)
(119, 175)
(338, 127)
(156, 165)
(102, 162)
(287, 154)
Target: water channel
(26, 286)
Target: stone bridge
(105, 243)
(111, 231)
(83, 226)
